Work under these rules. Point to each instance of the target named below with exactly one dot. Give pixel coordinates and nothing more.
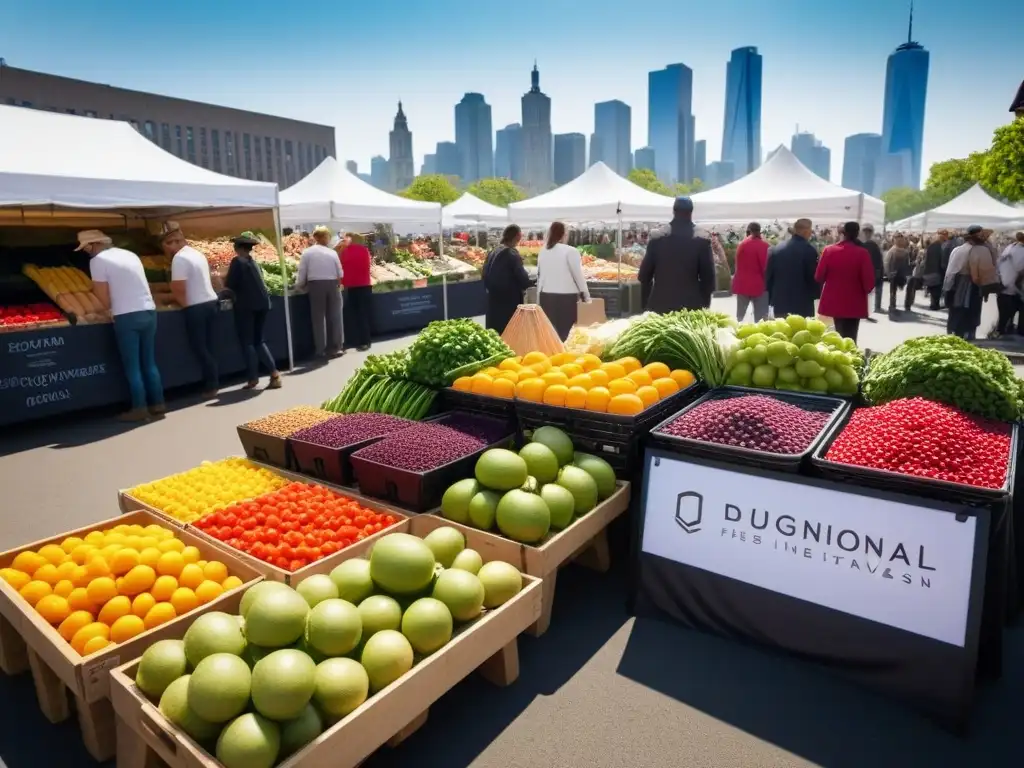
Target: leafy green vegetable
(274, 277)
(447, 345)
(369, 392)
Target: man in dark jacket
(790, 274)
(868, 235)
(678, 270)
(505, 280)
(934, 270)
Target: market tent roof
(599, 194)
(66, 161)
(975, 206)
(783, 188)
(470, 209)
(333, 194)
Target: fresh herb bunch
(949, 370)
(394, 364)
(274, 275)
(447, 346)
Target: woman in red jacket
(355, 268)
(847, 277)
(748, 283)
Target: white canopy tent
(599, 194)
(783, 188)
(975, 206)
(471, 210)
(332, 194)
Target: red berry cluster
(28, 314)
(920, 437)
(295, 525)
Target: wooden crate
(585, 541)
(26, 640)
(489, 645)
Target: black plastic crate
(269, 449)
(420, 491)
(785, 462)
(885, 480)
(455, 400)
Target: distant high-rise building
(570, 156)
(508, 152)
(367, 177)
(352, 166)
(595, 154)
(429, 164)
(720, 174)
(538, 168)
(474, 137)
(741, 136)
(906, 88)
(400, 162)
(643, 158)
(670, 122)
(700, 160)
(380, 174)
(861, 154)
(612, 135)
(448, 160)
(812, 153)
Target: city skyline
(840, 95)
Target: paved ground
(600, 689)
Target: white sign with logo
(905, 566)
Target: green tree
(497, 191)
(432, 188)
(904, 201)
(646, 178)
(950, 178)
(1002, 171)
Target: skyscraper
(812, 153)
(644, 158)
(612, 136)
(537, 149)
(906, 87)
(670, 122)
(380, 174)
(400, 162)
(429, 164)
(508, 152)
(473, 137)
(860, 161)
(741, 136)
(352, 166)
(449, 161)
(720, 174)
(570, 156)
(700, 160)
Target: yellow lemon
(191, 576)
(87, 633)
(123, 561)
(191, 554)
(35, 591)
(101, 590)
(97, 567)
(114, 609)
(149, 556)
(66, 569)
(163, 588)
(64, 587)
(82, 553)
(28, 562)
(53, 553)
(70, 544)
(17, 579)
(74, 622)
(216, 571)
(207, 591)
(138, 579)
(142, 604)
(171, 545)
(159, 614)
(94, 644)
(184, 600)
(54, 609)
(79, 600)
(47, 573)
(126, 628)
(170, 563)
(95, 538)
(231, 582)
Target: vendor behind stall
(119, 282)
(320, 274)
(193, 290)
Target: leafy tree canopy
(646, 178)
(432, 188)
(497, 191)
(1002, 172)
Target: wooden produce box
(267, 449)
(26, 640)
(489, 644)
(584, 541)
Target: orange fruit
(597, 399)
(640, 377)
(95, 644)
(561, 358)
(512, 376)
(80, 577)
(53, 608)
(207, 591)
(101, 590)
(683, 378)
(599, 377)
(53, 554)
(150, 556)
(571, 369)
(114, 609)
(542, 367)
(657, 370)
(171, 545)
(66, 570)
(87, 633)
(555, 394)
(70, 544)
(64, 587)
(170, 563)
(82, 553)
(625, 405)
(191, 576)
(47, 573)
(142, 604)
(126, 628)
(531, 389)
(17, 579)
(622, 386)
(614, 370)
(79, 600)
(588, 361)
(123, 561)
(74, 622)
(490, 371)
(649, 395)
(503, 388)
(581, 380)
(481, 384)
(164, 587)
(231, 582)
(629, 363)
(462, 384)
(576, 397)
(554, 377)
(183, 600)
(35, 591)
(28, 562)
(509, 364)
(531, 358)
(138, 579)
(159, 614)
(97, 567)
(215, 570)
(666, 386)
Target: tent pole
(284, 271)
(618, 246)
(860, 209)
(444, 275)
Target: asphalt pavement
(599, 690)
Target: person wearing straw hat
(119, 282)
(244, 282)
(320, 275)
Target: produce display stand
(331, 465)
(266, 448)
(27, 640)
(489, 644)
(585, 541)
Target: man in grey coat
(320, 274)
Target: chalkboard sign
(406, 310)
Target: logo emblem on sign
(688, 511)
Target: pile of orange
(579, 381)
(111, 585)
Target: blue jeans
(201, 324)
(136, 340)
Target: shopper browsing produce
(320, 275)
(560, 280)
(505, 279)
(193, 290)
(355, 267)
(252, 303)
(970, 274)
(748, 283)
(119, 282)
(678, 270)
(789, 276)
(847, 278)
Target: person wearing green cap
(249, 294)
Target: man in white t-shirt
(119, 282)
(320, 274)
(193, 290)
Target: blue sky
(346, 64)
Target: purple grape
(421, 447)
(351, 428)
(481, 427)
